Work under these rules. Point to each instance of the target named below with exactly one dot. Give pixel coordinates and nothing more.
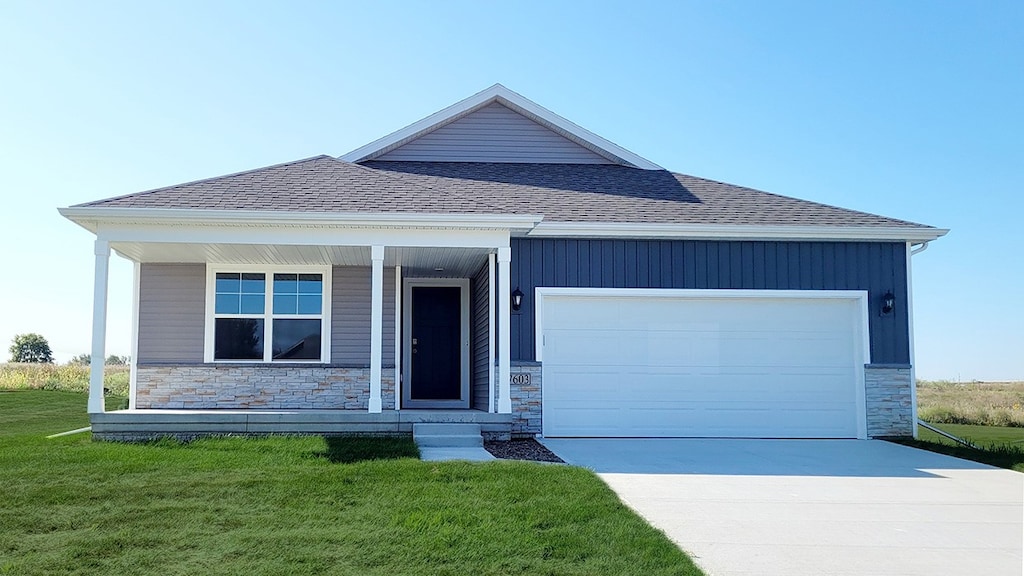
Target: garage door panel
(681, 348)
(701, 367)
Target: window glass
(238, 339)
(310, 284)
(253, 283)
(285, 303)
(242, 306)
(252, 303)
(296, 339)
(309, 304)
(298, 293)
(228, 283)
(240, 293)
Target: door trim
(407, 303)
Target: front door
(436, 343)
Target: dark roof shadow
(843, 458)
(589, 178)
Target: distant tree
(81, 359)
(115, 360)
(31, 348)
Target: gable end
(494, 133)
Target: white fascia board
(92, 218)
(314, 236)
(506, 97)
(733, 232)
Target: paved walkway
(816, 507)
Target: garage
(702, 363)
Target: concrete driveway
(816, 507)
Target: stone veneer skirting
(888, 392)
(262, 386)
(526, 400)
(888, 395)
(887, 387)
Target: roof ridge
(816, 203)
(202, 180)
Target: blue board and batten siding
(873, 266)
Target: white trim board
(516, 103)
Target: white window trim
(269, 271)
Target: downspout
(910, 329)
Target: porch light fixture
(888, 303)
(517, 298)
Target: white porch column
(398, 337)
(492, 321)
(133, 374)
(504, 330)
(376, 325)
(99, 325)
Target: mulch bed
(524, 449)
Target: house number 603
(520, 378)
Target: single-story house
(496, 263)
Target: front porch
(305, 324)
(136, 425)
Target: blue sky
(909, 109)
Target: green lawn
(291, 505)
(997, 445)
(979, 435)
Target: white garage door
(702, 363)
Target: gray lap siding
(873, 266)
(172, 315)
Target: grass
(989, 415)
(296, 505)
(65, 377)
(980, 403)
(998, 446)
(979, 435)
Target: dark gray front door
(436, 344)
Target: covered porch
(357, 373)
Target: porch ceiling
(455, 262)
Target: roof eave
(92, 217)
(532, 225)
(737, 232)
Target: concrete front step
(447, 435)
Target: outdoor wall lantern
(517, 298)
(888, 303)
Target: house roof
(493, 158)
(561, 193)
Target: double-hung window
(268, 315)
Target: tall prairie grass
(65, 377)
(980, 403)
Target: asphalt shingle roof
(559, 192)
